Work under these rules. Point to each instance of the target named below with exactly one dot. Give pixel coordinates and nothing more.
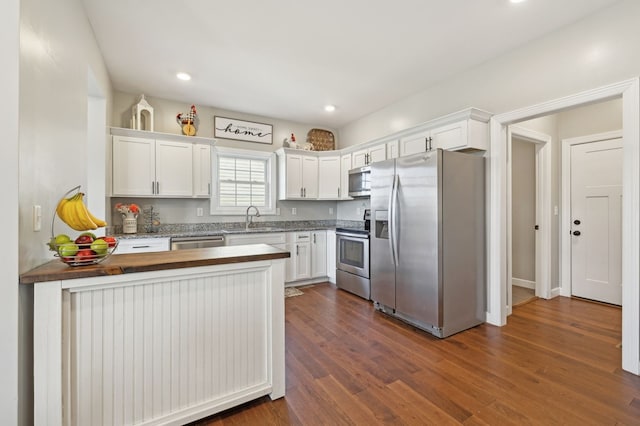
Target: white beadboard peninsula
(158, 338)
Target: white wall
(9, 83)
(57, 50)
(165, 111)
(596, 51)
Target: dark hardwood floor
(556, 362)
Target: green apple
(68, 249)
(58, 240)
(100, 247)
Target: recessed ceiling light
(517, 1)
(330, 108)
(183, 76)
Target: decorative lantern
(142, 115)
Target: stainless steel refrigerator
(428, 240)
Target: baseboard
(306, 282)
(523, 283)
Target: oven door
(352, 254)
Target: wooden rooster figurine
(189, 121)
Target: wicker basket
(321, 140)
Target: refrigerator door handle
(393, 234)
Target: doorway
(629, 91)
(529, 215)
(592, 217)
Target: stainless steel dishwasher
(185, 243)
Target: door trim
(543, 211)
(565, 203)
(629, 90)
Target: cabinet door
(378, 153)
(293, 176)
(303, 255)
(142, 245)
(133, 168)
(393, 150)
(202, 170)
(310, 177)
(174, 169)
(360, 158)
(345, 166)
(451, 137)
(319, 254)
(329, 177)
(414, 144)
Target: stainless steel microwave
(360, 182)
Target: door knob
(576, 233)
(576, 222)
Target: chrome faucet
(248, 220)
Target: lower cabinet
(308, 250)
(318, 254)
(142, 245)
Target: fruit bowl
(83, 253)
(85, 249)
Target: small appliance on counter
(352, 258)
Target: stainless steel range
(352, 259)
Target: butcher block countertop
(118, 264)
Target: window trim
(270, 185)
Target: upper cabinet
(298, 175)
(313, 175)
(159, 166)
(329, 177)
(369, 155)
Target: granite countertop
(119, 264)
(214, 229)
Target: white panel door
(596, 216)
(329, 177)
(360, 158)
(174, 168)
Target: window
(242, 178)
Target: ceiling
(287, 59)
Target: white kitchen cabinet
(462, 135)
(151, 164)
(302, 256)
(298, 176)
(329, 178)
(145, 167)
(345, 166)
(174, 169)
(142, 245)
(414, 144)
(201, 170)
(393, 149)
(369, 155)
(318, 254)
(276, 239)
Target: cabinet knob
(576, 233)
(576, 222)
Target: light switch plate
(37, 218)
(330, 210)
(199, 212)
(294, 211)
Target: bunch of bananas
(74, 213)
